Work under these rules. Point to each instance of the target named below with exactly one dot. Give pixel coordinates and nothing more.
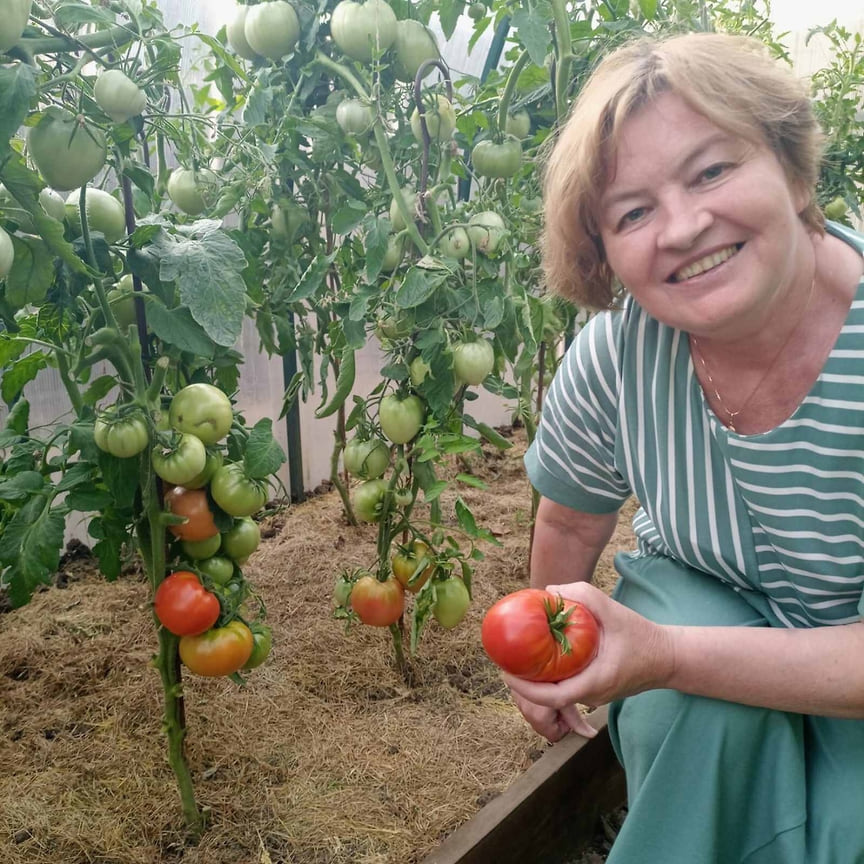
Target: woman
(725, 393)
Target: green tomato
(413, 46)
(440, 120)
(7, 254)
(122, 301)
(392, 256)
(193, 192)
(366, 459)
(354, 117)
(263, 644)
(52, 203)
(180, 463)
(518, 124)
(401, 419)
(342, 591)
(211, 466)
(272, 29)
(67, 150)
(121, 437)
(455, 244)
(200, 549)
(242, 539)
(235, 492)
(418, 369)
(473, 361)
(235, 32)
(118, 96)
(486, 230)
(451, 602)
(476, 11)
(497, 160)
(396, 219)
(104, 214)
(202, 410)
(368, 498)
(363, 30)
(218, 568)
(13, 21)
(836, 209)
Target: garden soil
(325, 756)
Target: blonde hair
(731, 80)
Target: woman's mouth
(709, 262)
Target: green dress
(759, 530)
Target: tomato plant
(377, 603)
(121, 436)
(401, 418)
(236, 492)
(202, 410)
(218, 651)
(367, 459)
(184, 606)
(539, 636)
(412, 567)
(192, 505)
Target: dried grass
(326, 756)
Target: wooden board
(552, 809)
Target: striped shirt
(778, 515)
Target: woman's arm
(811, 671)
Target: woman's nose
(684, 220)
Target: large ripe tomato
(220, 651)
(241, 540)
(104, 213)
(366, 459)
(440, 120)
(411, 567)
(473, 361)
(67, 150)
(181, 460)
(401, 418)
(539, 636)
(272, 29)
(235, 32)
(202, 410)
(7, 254)
(354, 117)
(118, 96)
(13, 21)
(367, 500)
(413, 46)
(192, 504)
(486, 230)
(497, 160)
(235, 492)
(122, 437)
(363, 30)
(193, 191)
(376, 603)
(184, 606)
(451, 602)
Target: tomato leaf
(418, 286)
(178, 327)
(533, 31)
(32, 273)
(21, 373)
(17, 88)
(264, 455)
(19, 488)
(312, 278)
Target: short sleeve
(572, 458)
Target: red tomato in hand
(184, 606)
(377, 603)
(539, 636)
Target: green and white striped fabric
(778, 516)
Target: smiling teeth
(706, 263)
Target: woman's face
(700, 226)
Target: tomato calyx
(559, 618)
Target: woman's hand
(634, 654)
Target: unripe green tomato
(518, 124)
(263, 637)
(13, 20)
(104, 213)
(212, 464)
(451, 602)
(392, 256)
(363, 30)
(68, 151)
(342, 591)
(368, 498)
(272, 29)
(418, 370)
(486, 230)
(197, 550)
(7, 254)
(202, 410)
(396, 219)
(52, 203)
(218, 568)
(413, 46)
(476, 11)
(455, 244)
(497, 160)
(440, 120)
(121, 299)
(119, 96)
(836, 209)
(181, 462)
(473, 361)
(236, 35)
(366, 459)
(191, 191)
(242, 540)
(354, 117)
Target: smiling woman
(719, 385)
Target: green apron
(713, 782)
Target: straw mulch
(325, 755)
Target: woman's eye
(632, 216)
(713, 172)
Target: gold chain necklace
(731, 415)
